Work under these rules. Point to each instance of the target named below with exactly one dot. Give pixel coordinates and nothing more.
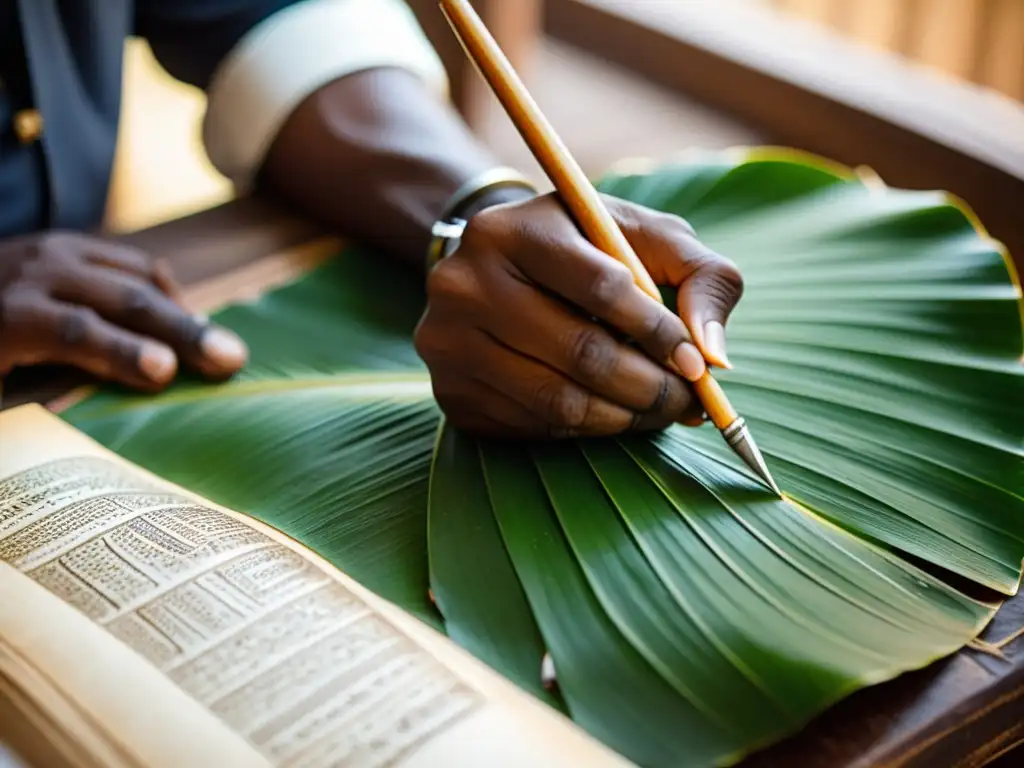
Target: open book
(143, 626)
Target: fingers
(135, 304)
(539, 327)
(545, 246)
(561, 408)
(132, 261)
(705, 302)
(474, 406)
(106, 308)
(48, 331)
(478, 376)
(709, 285)
(530, 329)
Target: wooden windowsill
(806, 87)
(972, 120)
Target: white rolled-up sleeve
(293, 53)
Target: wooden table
(964, 711)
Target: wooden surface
(962, 711)
(805, 88)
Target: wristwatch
(446, 234)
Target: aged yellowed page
(246, 649)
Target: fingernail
(224, 348)
(695, 421)
(689, 361)
(157, 362)
(714, 340)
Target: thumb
(705, 300)
(709, 286)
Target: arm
(338, 105)
(377, 156)
(365, 143)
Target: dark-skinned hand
(106, 308)
(528, 326)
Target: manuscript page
(141, 625)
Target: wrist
(495, 197)
(497, 186)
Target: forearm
(376, 156)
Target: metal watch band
(445, 239)
(448, 229)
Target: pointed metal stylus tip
(737, 435)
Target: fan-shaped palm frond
(690, 615)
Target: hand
(510, 335)
(107, 308)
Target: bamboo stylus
(584, 202)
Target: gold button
(28, 124)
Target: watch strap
(448, 229)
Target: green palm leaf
(326, 436)
(690, 615)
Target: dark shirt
(188, 37)
(23, 185)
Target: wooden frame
(812, 89)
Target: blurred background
(607, 108)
